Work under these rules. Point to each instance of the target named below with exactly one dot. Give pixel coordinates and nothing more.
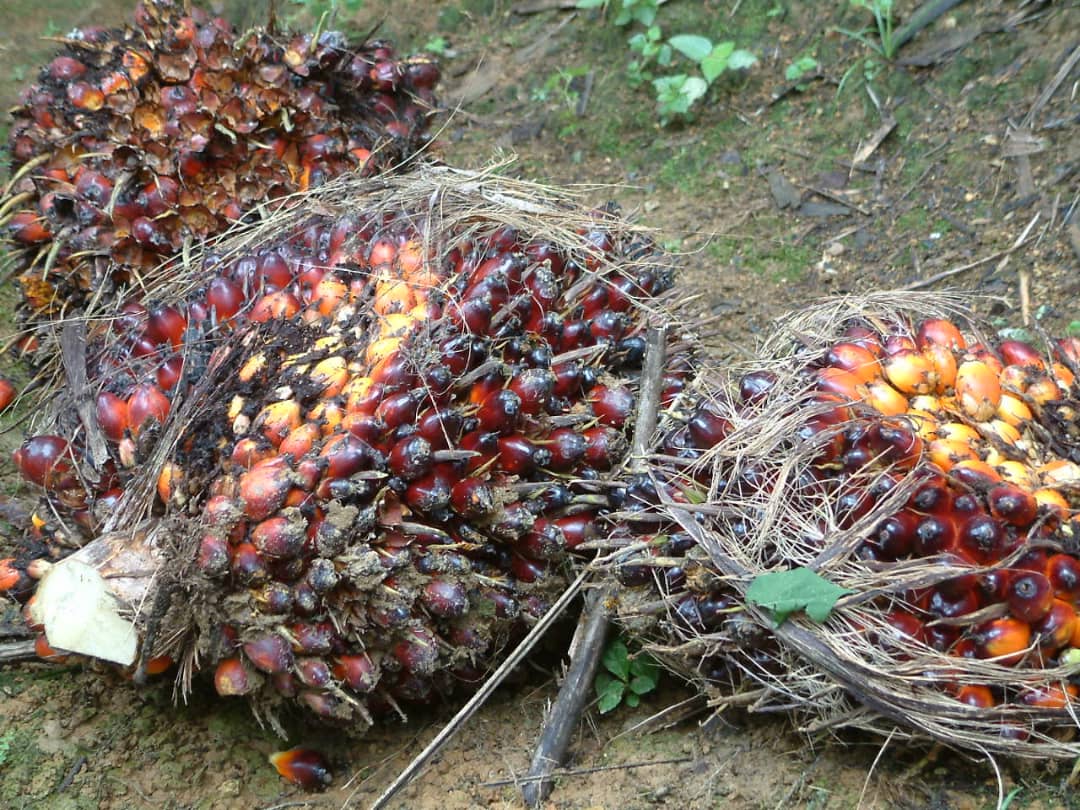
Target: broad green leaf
(785, 592)
(643, 666)
(741, 59)
(693, 88)
(800, 67)
(610, 694)
(692, 46)
(591, 3)
(716, 62)
(642, 685)
(632, 700)
(1073, 329)
(616, 659)
(663, 55)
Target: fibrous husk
(777, 492)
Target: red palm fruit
(840, 383)
(303, 767)
(246, 565)
(1050, 696)
(881, 396)
(1029, 596)
(10, 575)
(527, 570)
(567, 448)
(313, 672)
(611, 405)
(213, 556)
(857, 360)
(273, 271)
(417, 652)
(518, 455)
(399, 409)
(1012, 505)
(169, 373)
(578, 528)
(902, 628)
(313, 638)
(166, 325)
(444, 599)
(605, 446)
(1005, 640)
(911, 372)
(263, 488)
(225, 298)
(568, 377)
(484, 445)
(1056, 628)
(895, 535)
(7, 393)
(146, 403)
(978, 390)
(473, 498)
(430, 493)
(277, 305)
(300, 440)
(44, 460)
(279, 537)
(942, 637)
(975, 695)
(949, 605)
(1018, 353)
(410, 458)
(896, 343)
(934, 535)
(533, 387)
(331, 374)
(939, 332)
(1063, 571)
(358, 672)
(441, 427)
(980, 537)
(248, 451)
(544, 541)
(85, 96)
(755, 386)
(706, 428)
(232, 678)
(112, 415)
(65, 68)
(28, 228)
(269, 654)
(277, 420)
(500, 411)
(365, 427)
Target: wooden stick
(17, 651)
(565, 713)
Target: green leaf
(1073, 329)
(616, 659)
(585, 4)
(663, 56)
(800, 67)
(642, 665)
(741, 59)
(1016, 333)
(692, 46)
(610, 692)
(632, 700)
(784, 592)
(716, 62)
(642, 685)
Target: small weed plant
(625, 677)
(680, 68)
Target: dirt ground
(974, 188)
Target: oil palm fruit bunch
(930, 477)
(375, 473)
(135, 143)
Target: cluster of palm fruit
(964, 454)
(134, 143)
(387, 454)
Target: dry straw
(854, 670)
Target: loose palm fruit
(7, 393)
(303, 767)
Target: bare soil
(759, 194)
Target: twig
(922, 17)
(15, 652)
(584, 771)
(1002, 254)
(1051, 88)
(565, 713)
(469, 709)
